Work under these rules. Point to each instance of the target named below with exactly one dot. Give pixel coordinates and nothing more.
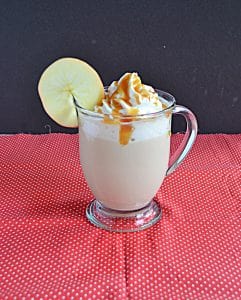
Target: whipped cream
(129, 96)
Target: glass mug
(125, 178)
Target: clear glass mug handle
(188, 140)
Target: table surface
(48, 250)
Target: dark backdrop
(190, 48)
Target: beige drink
(125, 150)
(124, 177)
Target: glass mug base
(123, 221)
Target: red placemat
(48, 250)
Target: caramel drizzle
(125, 134)
(122, 93)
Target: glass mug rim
(170, 99)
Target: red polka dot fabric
(48, 249)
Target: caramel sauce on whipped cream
(128, 97)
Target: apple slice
(65, 80)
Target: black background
(191, 49)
